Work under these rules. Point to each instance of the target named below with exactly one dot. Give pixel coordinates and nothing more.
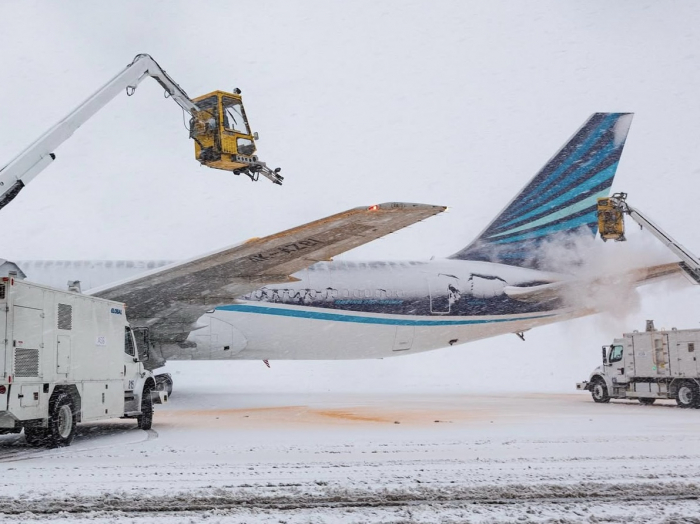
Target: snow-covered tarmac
(221, 454)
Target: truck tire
(145, 420)
(646, 401)
(687, 395)
(164, 383)
(62, 421)
(35, 437)
(599, 391)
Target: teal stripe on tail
(560, 200)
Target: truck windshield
(615, 354)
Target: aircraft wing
(170, 299)
(573, 291)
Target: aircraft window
(128, 342)
(356, 293)
(234, 117)
(615, 354)
(346, 293)
(368, 293)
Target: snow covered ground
(223, 452)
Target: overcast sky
(452, 103)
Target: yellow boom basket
(611, 220)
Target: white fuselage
(356, 310)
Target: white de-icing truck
(67, 358)
(649, 365)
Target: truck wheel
(35, 437)
(62, 421)
(164, 383)
(599, 391)
(687, 395)
(145, 420)
(647, 401)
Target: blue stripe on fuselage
(317, 315)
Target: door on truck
(63, 354)
(685, 363)
(651, 358)
(131, 365)
(660, 354)
(28, 335)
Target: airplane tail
(560, 201)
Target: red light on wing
(373, 208)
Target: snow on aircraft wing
(178, 294)
(578, 290)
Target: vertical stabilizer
(560, 200)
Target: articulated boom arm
(617, 203)
(30, 162)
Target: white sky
(453, 103)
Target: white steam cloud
(603, 273)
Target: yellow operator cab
(611, 220)
(222, 135)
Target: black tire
(647, 401)
(35, 437)
(165, 383)
(63, 421)
(599, 391)
(145, 420)
(687, 394)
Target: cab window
(129, 343)
(207, 116)
(615, 354)
(234, 118)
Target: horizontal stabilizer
(572, 292)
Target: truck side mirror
(143, 343)
(605, 356)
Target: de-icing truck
(67, 358)
(649, 365)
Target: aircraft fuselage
(355, 310)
